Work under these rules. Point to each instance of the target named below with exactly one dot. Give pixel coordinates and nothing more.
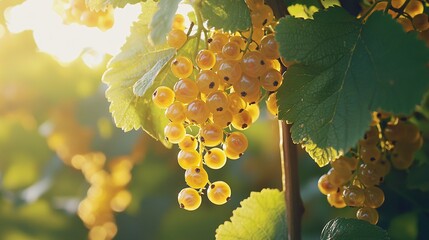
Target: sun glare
(67, 42)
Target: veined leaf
(229, 15)
(261, 216)
(351, 229)
(162, 20)
(344, 70)
(142, 85)
(302, 11)
(103, 4)
(136, 59)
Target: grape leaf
(137, 57)
(261, 216)
(343, 70)
(349, 229)
(229, 15)
(162, 20)
(302, 11)
(103, 4)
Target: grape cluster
(412, 18)
(230, 78)
(76, 11)
(354, 180)
(108, 191)
(107, 194)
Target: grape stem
(290, 180)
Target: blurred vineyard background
(66, 171)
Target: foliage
(227, 15)
(339, 70)
(268, 205)
(342, 228)
(345, 69)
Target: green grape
(174, 132)
(89, 18)
(336, 199)
(224, 119)
(248, 88)
(344, 163)
(211, 134)
(371, 137)
(236, 103)
(197, 111)
(369, 175)
(205, 59)
(215, 158)
(236, 142)
(414, 8)
(238, 40)
(339, 178)
(176, 38)
(181, 67)
(242, 120)
(326, 187)
(254, 112)
(188, 143)
(272, 104)
(367, 214)
(354, 196)
(163, 97)
(382, 167)
(196, 177)
(179, 22)
(219, 192)
(188, 158)
(231, 153)
(217, 102)
(262, 16)
(370, 154)
(207, 81)
(271, 80)
(231, 50)
(186, 90)
(254, 4)
(189, 199)
(402, 157)
(275, 64)
(253, 64)
(411, 133)
(217, 41)
(105, 22)
(374, 197)
(270, 47)
(176, 112)
(421, 22)
(229, 71)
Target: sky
(67, 42)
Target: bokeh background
(54, 118)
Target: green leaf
(229, 15)
(308, 3)
(261, 216)
(137, 58)
(350, 229)
(103, 4)
(302, 11)
(142, 86)
(162, 20)
(344, 70)
(136, 72)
